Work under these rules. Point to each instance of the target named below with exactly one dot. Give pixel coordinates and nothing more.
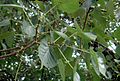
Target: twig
(49, 10)
(27, 17)
(82, 50)
(20, 50)
(11, 5)
(37, 31)
(8, 55)
(10, 49)
(65, 58)
(86, 17)
(18, 70)
(24, 47)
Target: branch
(11, 54)
(24, 47)
(20, 50)
(10, 49)
(86, 17)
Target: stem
(11, 5)
(82, 50)
(18, 70)
(86, 17)
(49, 10)
(27, 17)
(65, 59)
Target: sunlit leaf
(27, 29)
(76, 77)
(91, 36)
(94, 60)
(63, 35)
(69, 6)
(94, 74)
(102, 67)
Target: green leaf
(116, 34)
(63, 35)
(68, 70)
(5, 22)
(94, 74)
(71, 30)
(76, 77)
(102, 67)
(82, 74)
(6, 35)
(57, 52)
(27, 29)
(94, 60)
(99, 19)
(91, 36)
(87, 60)
(117, 54)
(55, 38)
(102, 40)
(10, 40)
(80, 12)
(68, 53)
(46, 55)
(81, 34)
(110, 8)
(61, 69)
(102, 3)
(69, 6)
(40, 4)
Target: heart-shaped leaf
(46, 55)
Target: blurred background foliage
(59, 40)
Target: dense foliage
(59, 40)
